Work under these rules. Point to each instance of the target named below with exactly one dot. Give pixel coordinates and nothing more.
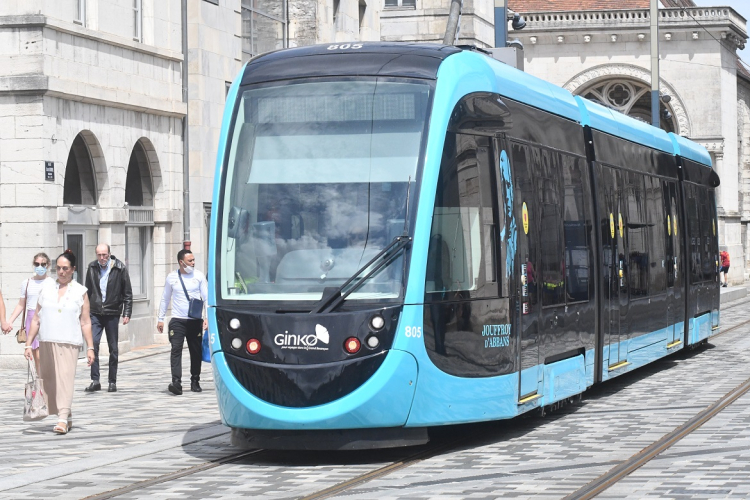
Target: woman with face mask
(30, 289)
(63, 323)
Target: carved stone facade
(709, 93)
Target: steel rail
(172, 476)
(614, 475)
(412, 459)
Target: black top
(410, 60)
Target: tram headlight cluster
(234, 324)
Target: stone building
(95, 97)
(601, 49)
(106, 104)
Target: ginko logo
(306, 342)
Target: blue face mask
(40, 271)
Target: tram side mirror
(237, 225)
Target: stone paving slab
(142, 432)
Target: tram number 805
(344, 46)
(413, 331)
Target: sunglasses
(40, 264)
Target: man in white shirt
(181, 285)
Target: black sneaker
(95, 386)
(195, 386)
(112, 387)
(175, 389)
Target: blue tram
(410, 235)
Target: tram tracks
(438, 447)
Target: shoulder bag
(195, 306)
(21, 333)
(35, 398)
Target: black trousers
(192, 331)
(109, 324)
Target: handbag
(195, 306)
(35, 397)
(206, 348)
(21, 333)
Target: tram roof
(422, 60)
(397, 59)
(690, 150)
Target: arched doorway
(80, 183)
(139, 198)
(80, 197)
(629, 97)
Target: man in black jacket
(110, 296)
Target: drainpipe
(185, 143)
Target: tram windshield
(317, 181)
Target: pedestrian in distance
(30, 289)
(110, 296)
(724, 271)
(182, 286)
(61, 320)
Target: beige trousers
(58, 368)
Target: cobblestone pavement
(142, 432)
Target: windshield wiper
(334, 298)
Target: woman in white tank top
(62, 322)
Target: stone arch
(592, 77)
(85, 171)
(148, 158)
(139, 190)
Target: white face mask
(189, 269)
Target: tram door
(614, 261)
(675, 298)
(524, 158)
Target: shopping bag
(35, 398)
(206, 350)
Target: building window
(81, 13)
(137, 21)
(631, 98)
(137, 244)
(264, 27)
(396, 4)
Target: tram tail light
(253, 346)
(352, 345)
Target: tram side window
(694, 234)
(657, 235)
(576, 228)
(553, 280)
(637, 235)
(461, 256)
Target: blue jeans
(108, 323)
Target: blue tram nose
(303, 360)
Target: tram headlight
(234, 324)
(377, 322)
(373, 342)
(236, 343)
(253, 346)
(352, 345)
